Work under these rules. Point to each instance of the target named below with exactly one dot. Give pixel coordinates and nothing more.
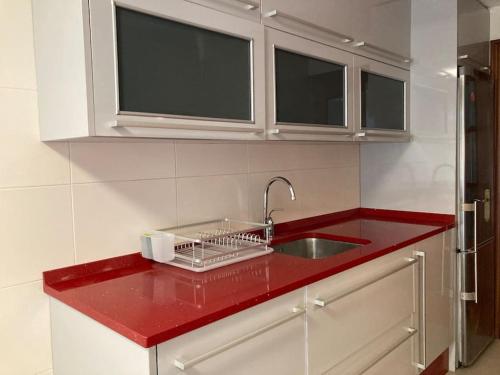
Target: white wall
(63, 203)
(420, 175)
(495, 23)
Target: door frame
(495, 73)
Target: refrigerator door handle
(476, 201)
(472, 296)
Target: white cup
(162, 246)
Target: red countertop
(150, 303)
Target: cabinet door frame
(362, 64)
(108, 119)
(296, 131)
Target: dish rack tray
(203, 246)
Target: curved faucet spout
(267, 214)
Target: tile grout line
(72, 194)
(18, 88)
(26, 187)
(23, 283)
(176, 185)
(247, 151)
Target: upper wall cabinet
(326, 21)
(309, 89)
(382, 30)
(148, 68)
(249, 9)
(378, 29)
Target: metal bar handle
(406, 262)
(408, 333)
(383, 51)
(422, 316)
(275, 13)
(247, 5)
(309, 131)
(184, 364)
(152, 125)
(476, 201)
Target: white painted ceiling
(491, 3)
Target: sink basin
(314, 248)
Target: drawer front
(391, 352)
(274, 349)
(345, 325)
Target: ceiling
(491, 3)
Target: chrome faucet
(267, 215)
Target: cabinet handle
(408, 333)
(247, 5)
(184, 364)
(406, 262)
(382, 51)
(275, 13)
(137, 124)
(307, 131)
(423, 328)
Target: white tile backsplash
(212, 197)
(117, 161)
(25, 161)
(36, 232)
(17, 62)
(109, 217)
(206, 159)
(24, 330)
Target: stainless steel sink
(314, 248)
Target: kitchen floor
(488, 364)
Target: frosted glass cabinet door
(309, 90)
(382, 98)
(177, 66)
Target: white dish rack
(211, 244)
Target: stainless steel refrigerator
(476, 245)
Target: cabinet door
(382, 99)
(266, 339)
(327, 21)
(173, 68)
(342, 328)
(309, 85)
(249, 9)
(385, 27)
(438, 295)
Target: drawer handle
(409, 332)
(383, 51)
(275, 13)
(247, 5)
(406, 262)
(422, 316)
(184, 364)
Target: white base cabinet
(266, 339)
(348, 311)
(380, 316)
